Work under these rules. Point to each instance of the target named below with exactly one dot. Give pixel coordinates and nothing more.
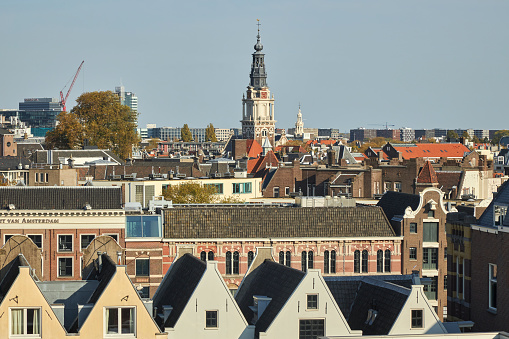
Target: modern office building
(173, 133)
(127, 98)
(38, 113)
(407, 134)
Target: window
(143, 226)
(417, 321)
(445, 282)
(281, 257)
(86, 239)
(397, 186)
(304, 261)
(210, 255)
(218, 187)
(387, 263)
(7, 237)
(25, 321)
(430, 258)
(379, 261)
(499, 213)
(287, 191)
(236, 269)
(430, 231)
(357, 261)
(203, 256)
(245, 187)
(232, 264)
(431, 214)
(493, 286)
(114, 236)
(142, 267)
(276, 192)
(250, 257)
(364, 261)
(311, 328)
(211, 319)
(120, 320)
(144, 292)
(431, 290)
(412, 253)
(333, 262)
(413, 227)
(37, 239)
(310, 259)
(228, 262)
(65, 243)
(312, 301)
(326, 262)
(65, 267)
(387, 186)
(445, 253)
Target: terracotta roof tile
(427, 175)
(440, 150)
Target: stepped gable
(60, 197)
(275, 222)
(395, 203)
(271, 280)
(386, 298)
(427, 175)
(178, 286)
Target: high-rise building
(38, 113)
(362, 134)
(257, 106)
(127, 98)
(407, 134)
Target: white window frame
(58, 243)
(11, 235)
(119, 334)
(110, 234)
(287, 191)
(82, 234)
(58, 267)
(490, 281)
(317, 302)
(25, 323)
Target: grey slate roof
(275, 222)
(60, 197)
(177, 287)
(272, 280)
(395, 203)
(344, 288)
(11, 163)
(10, 273)
(502, 197)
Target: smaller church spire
(258, 47)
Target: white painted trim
(81, 235)
(72, 266)
(58, 243)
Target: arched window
(250, 257)
(203, 256)
(379, 261)
(357, 261)
(303, 261)
(387, 260)
(281, 257)
(364, 261)
(288, 259)
(326, 262)
(236, 264)
(332, 261)
(211, 255)
(228, 262)
(310, 259)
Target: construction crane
(386, 125)
(64, 100)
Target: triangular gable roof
(439, 150)
(502, 197)
(253, 148)
(269, 158)
(395, 203)
(272, 280)
(177, 287)
(427, 175)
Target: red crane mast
(64, 100)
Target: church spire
(258, 76)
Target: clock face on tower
(264, 95)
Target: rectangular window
(64, 243)
(65, 267)
(431, 214)
(142, 267)
(312, 301)
(387, 186)
(211, 319)
(431, 290)
(7, 237)
(311, 328)
(430, 258)
(397, 187)
(276, 192)
(287, 191)
(413, 253)
(37, 239)
(120, 320)
(247, 187)
(86, 239)
(114, 236)
(413, 227)
(217, 187)
(144, 292)
(493, 286)
(417, 321)
(430, 231)
(236, 188)
(26, 321)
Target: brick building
(420, 220)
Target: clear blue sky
(419, 64)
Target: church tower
(299, 125)
(257, 105)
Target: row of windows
(245, 187)
(232, 261)
(383, 261)
(65, 241)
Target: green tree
(68, 134)
(185, 134)
(104, 122)
(498, 135)
(451, 134)
(210, 133)
(153, 143)
(465, 135)
(476, 140)
(195, 193)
